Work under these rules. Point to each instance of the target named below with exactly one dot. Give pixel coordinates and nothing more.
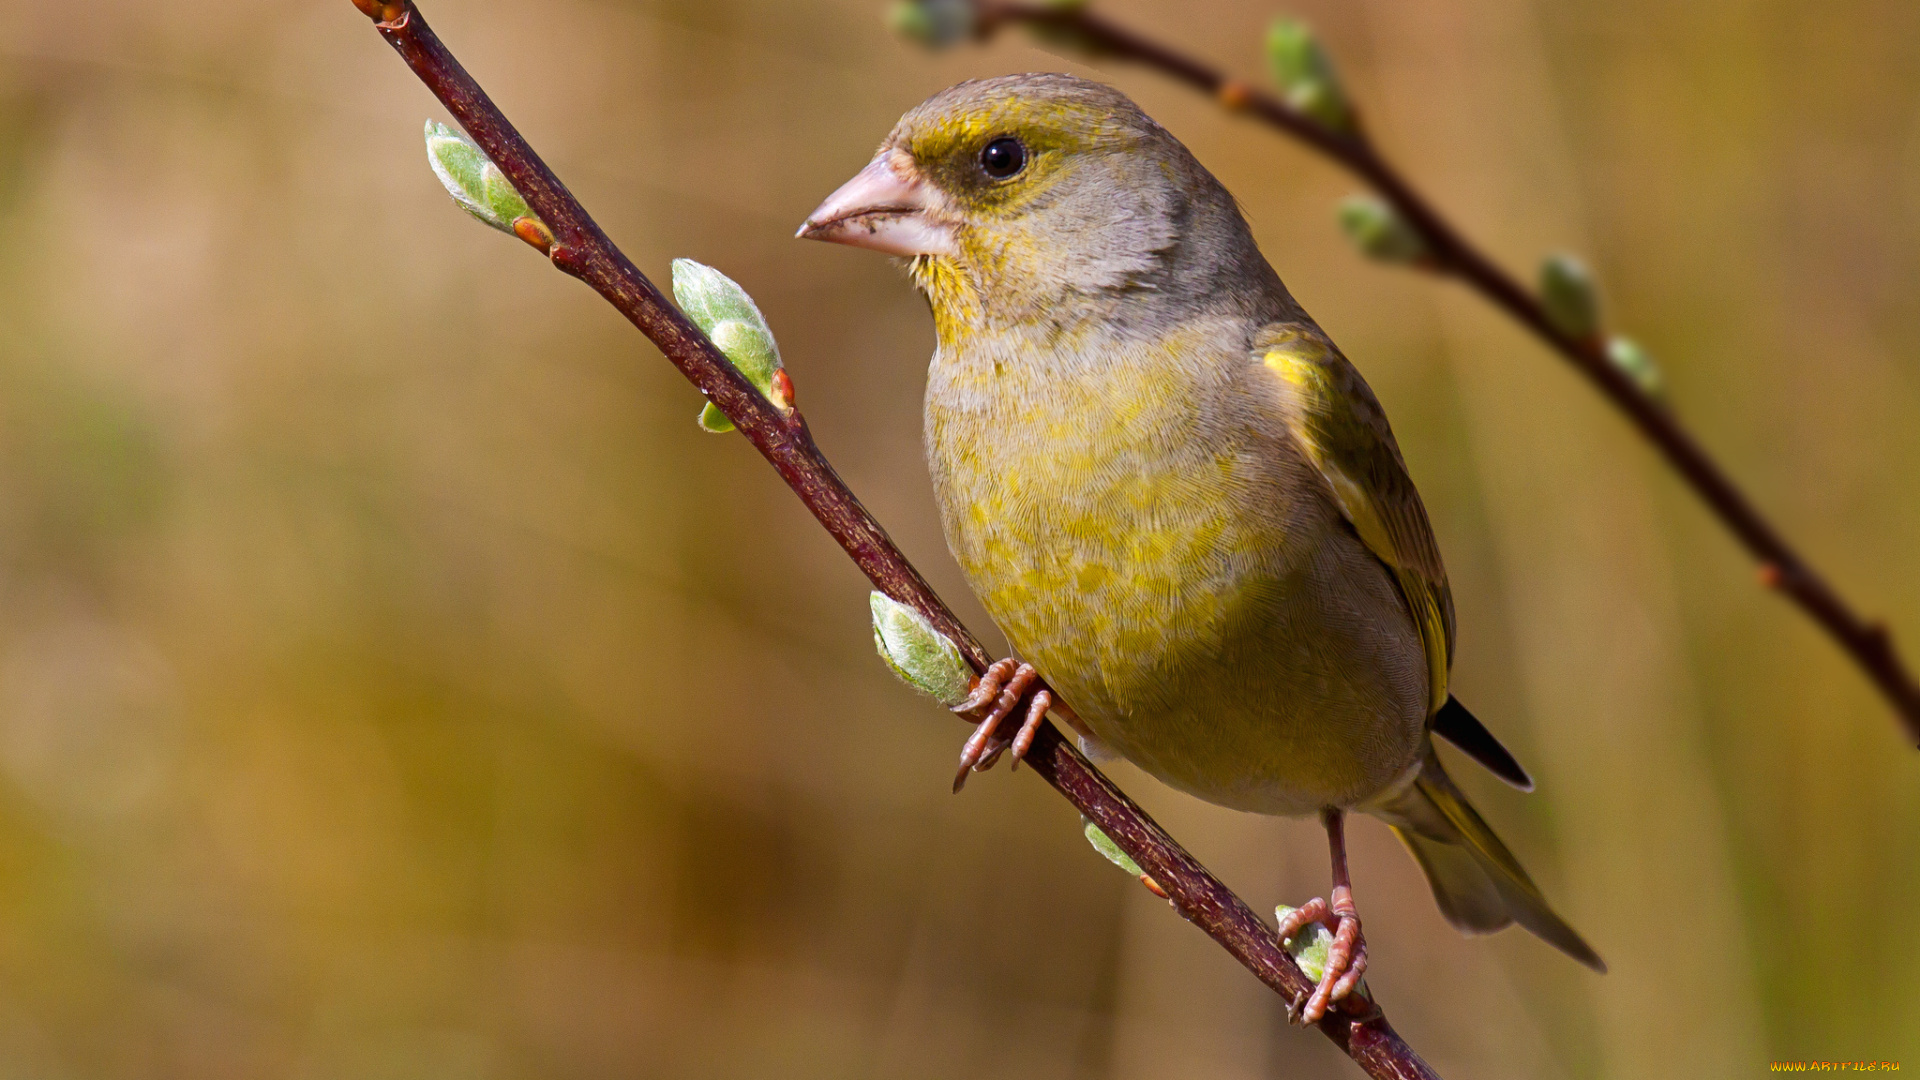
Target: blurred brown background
(394, 682)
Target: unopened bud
(727, 315)
(478, 185)
(922, 656)
(1379, 230)
(1568, 295)
(935, 24)
(1626, 355)
(1305, 74)
(1110, 851)
(1104, 844)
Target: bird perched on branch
(1178, 499)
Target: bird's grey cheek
(1116, 231)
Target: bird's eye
(1003, 157)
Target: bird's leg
(1347, 956)
(998, 692)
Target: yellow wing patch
(1339, 424)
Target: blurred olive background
(394, 682)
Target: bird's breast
(1120, 515)
(1140, 527)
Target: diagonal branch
(1867, 641)
(578, 247)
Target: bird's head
(1039, 198)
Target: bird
(1177, 498)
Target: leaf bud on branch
(1305, 75)
(480, 188)
(921, 656)
(728, 316)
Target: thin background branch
(1867, 641)
(578, 247)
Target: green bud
(1568, 294)
(1305, 75)
(727, 315)
(935, 24)
(473, 180)
(923, 657)
(1110, 851)
(1379, 230)
(1633, 362)
(1104, 844)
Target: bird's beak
(886, 207)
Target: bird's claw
(998, 691)
(988, 685)
(1346, 957)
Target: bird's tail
(1478, 883)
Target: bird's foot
(997, 694)
(1346, 956)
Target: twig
(578, 247)
(1867, 641)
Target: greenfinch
(1179, 501)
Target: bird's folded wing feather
(1338, 422)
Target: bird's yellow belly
(1204, 610)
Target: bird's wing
(1338, 422)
